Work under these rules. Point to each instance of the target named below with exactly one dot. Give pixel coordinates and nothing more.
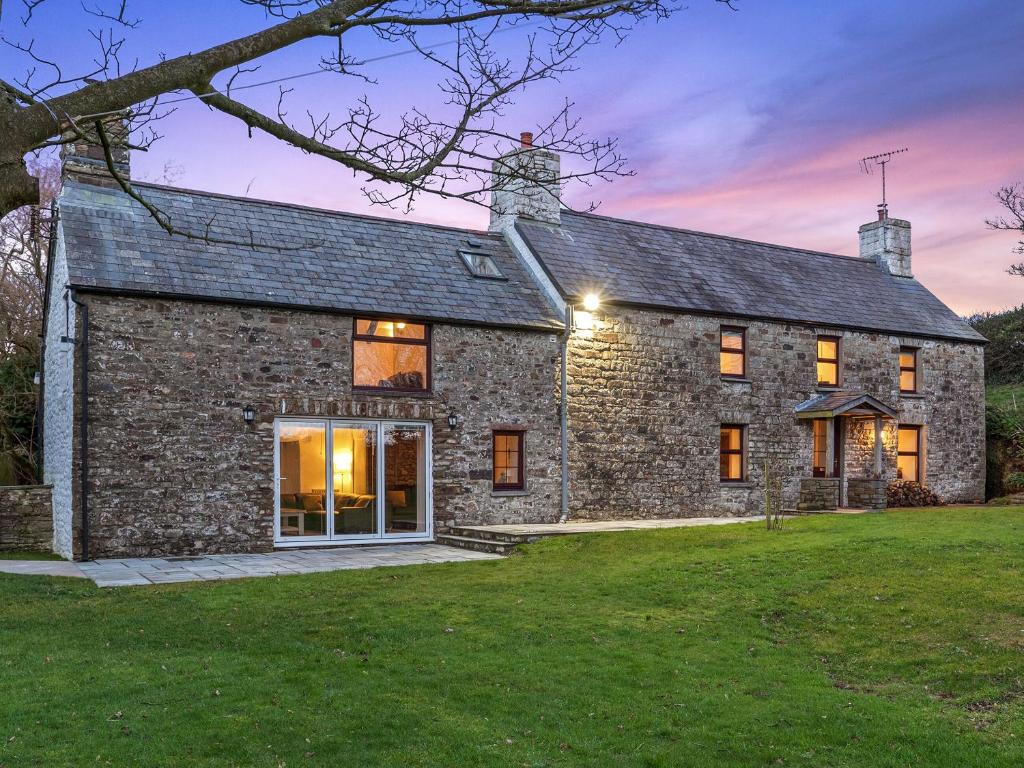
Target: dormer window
(481, 265)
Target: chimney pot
(526, 138)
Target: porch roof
(841, 403)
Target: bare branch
(1011, 198)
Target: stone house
(357, 380)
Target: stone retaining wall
(818, 493)
(866, 493)
(26, 519)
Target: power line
(321, 71)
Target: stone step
(492, 535)
(477, 545)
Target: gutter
(83, 427)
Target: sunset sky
(748, 123)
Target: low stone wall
(866, 493)
(26, 518)
(818, 493)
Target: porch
(830, 487)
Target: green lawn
(1006, 396)
(875, 640)
(29, 556)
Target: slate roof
(657, 266)
(358, 264)
(839, 402)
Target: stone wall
(818, 493)
(866, 493)
(175, 469)
(26, 518)
(646, 402)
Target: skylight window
(481, 265)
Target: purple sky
(748, 123)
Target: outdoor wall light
(453, 420)
(249, 414)
(591, 302)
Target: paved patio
(139, 571)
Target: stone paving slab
(41, 568)
(138, 571)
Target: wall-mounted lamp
(249, 414)
(591, 302)
(453, 420)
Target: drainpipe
(83, 428)
(564, 413)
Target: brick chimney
(82, 159)
(887, 241)
(525, 184)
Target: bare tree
(447, 152)
(1011, 198)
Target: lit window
(509, 462)
(733, 352)
(908, 370)
(481, 265)
(908, 453)
(731, 453)
(819, 462)
(391, 355)
(828, 361)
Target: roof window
(481, 265)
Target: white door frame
(381, 537)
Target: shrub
(907, 493)
(1015, 482)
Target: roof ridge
(310, 208)
(717, 236)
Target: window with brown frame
(732, 453)
(908, 453)
(819, 458)
(733, 352)
(509, 460)
(390, 355)
(908, 370)
(828, 361)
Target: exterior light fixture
(453, 420)
(249, 414)
(591, 302)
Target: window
(908, 453)
(733, 352)
(908, 370)
(391, 355)
(509, 465)
(819, 458)
(828, 361)
(481, 265)
(731, 456)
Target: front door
(351, 481)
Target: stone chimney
(525, 184)
(887, 241)
(82, 159)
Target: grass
(872, 640)
(29, 556)
(1006, 396)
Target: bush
(1015, 482)
(907, 493)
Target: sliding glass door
(335, 483)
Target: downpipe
(564, 413)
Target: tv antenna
(867, 165)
